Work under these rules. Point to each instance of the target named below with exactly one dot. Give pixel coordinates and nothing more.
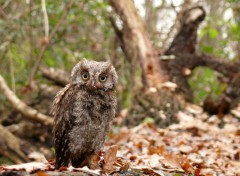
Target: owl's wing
(58, 99)
(61, 110)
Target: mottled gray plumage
(83, 111)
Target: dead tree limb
(186, 39)
(48, 91)
(187, 56)
(56, 75)
(11, 147)
(27, 111)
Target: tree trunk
(137, 46)
(139, 51)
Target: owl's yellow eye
(102, 78)
(85, 76)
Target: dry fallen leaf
(155, 150)
(171, 161)
(110, 157)
(40, 173)
(29, 167)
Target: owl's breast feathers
(81, 121)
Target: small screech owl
(83, 111)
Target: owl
(83, 111)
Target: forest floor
(195, 146)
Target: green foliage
(204, 82)
(208, 30)
(219, 37)
(177, 174)
(84, 32)
(87, 32)
(53, 150)
(5, 161)
(148, 120)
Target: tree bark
(29, 112)
(148, 71)
(187, 56)
(138, 47)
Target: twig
(45, 45)
(29, 112)
(12, 73)
(45, 15)
(31, 44)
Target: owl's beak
(93, 84)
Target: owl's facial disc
(93, 81)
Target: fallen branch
(48, 91)
(11, 147)
(58, 76)
(29, 112)
(188, 57)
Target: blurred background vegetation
(85, 31)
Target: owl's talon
(101, 162)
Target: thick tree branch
(22, 107)
(186, 39)
(58, 76)
(187, 57)
(228, 69)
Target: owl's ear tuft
(114, 74)
(74, 72)
(84, 60)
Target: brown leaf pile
(195, 146)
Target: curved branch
(58, 76)
(186, 39)
(29, 112)
(228, 69)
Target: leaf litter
(195, 146)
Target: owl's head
(94, 75)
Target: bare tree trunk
(139, 50)
(138, 47)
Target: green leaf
(207, 49)
(148, 120)
(213, 33)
